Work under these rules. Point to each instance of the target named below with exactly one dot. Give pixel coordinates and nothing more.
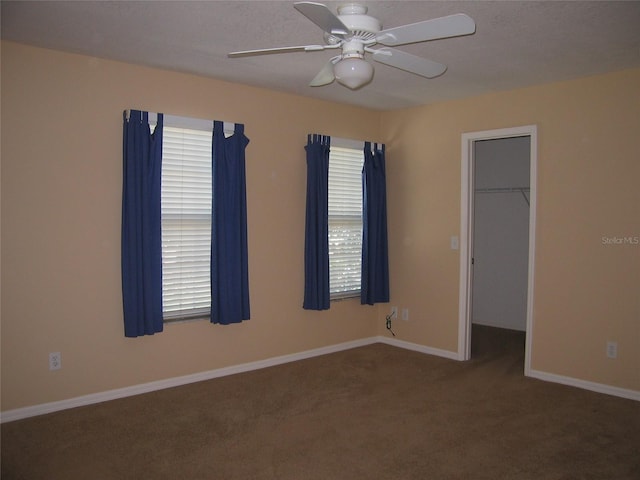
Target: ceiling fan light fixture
(353, 72)
(355, 33)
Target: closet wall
(501, 232)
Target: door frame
(466, 233)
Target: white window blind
(345, 221)
(186, 222)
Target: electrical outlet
(55, 361)
(405, 314)
(612, 349)
(394, 312)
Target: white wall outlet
(55, 361)
(612, 349)
(394, 312)
(455, 243)
(405, 314)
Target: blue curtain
(316, 244)
(141, 227)
(229, 258)
(375, 250)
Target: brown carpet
(376, 412)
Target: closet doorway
(497, 238)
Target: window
(345, 220)
(186, 222)
(186, 198)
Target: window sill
(195, 318)
(338, 297)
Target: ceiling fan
(354, 33)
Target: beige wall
(61, 187)
(586, 293)
(61, 204)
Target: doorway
(492, 182)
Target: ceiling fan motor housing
(361, 25)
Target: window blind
(186, 222)
(345, 221)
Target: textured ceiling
(516, 44)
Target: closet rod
(522, 190)
(502, 189)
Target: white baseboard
(419, 348)
(32, 411)
(585, 385)
(35, 410)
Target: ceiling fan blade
(443, 27)
(408, 62)
(268, 51)
(325, 76)
(323, 17)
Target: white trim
(44, 408)
(418, 348)
(586, 385)
(20, 413)
(32, 411)
(466, 231)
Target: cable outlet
(394, 312)
(55, 361)
(612, 349)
